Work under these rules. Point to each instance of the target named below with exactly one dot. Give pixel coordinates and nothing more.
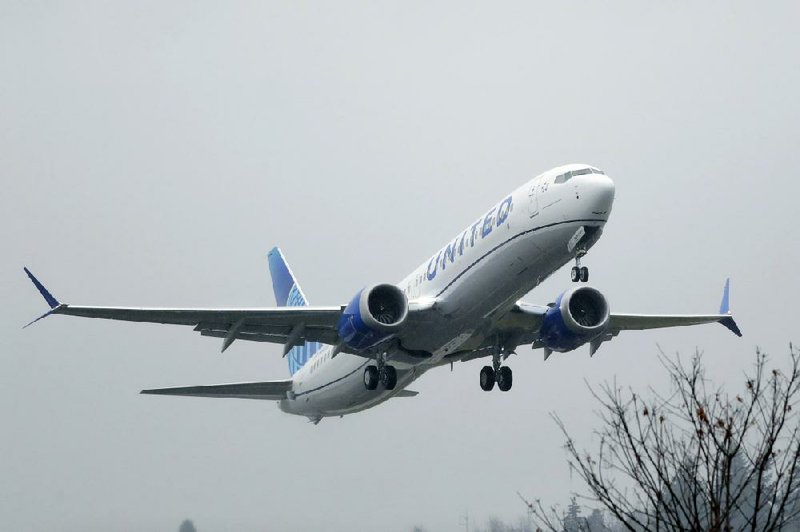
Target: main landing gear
(380, 374)
(579, 273)
(496, 373)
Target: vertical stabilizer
(288, 294)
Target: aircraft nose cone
(599, 193)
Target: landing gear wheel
(504, 378)
(371, 377)
(583, 273)
(487, 378)
(575, 274)
(388, 377)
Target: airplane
(460, 304)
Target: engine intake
(373, 315)
(579, 315)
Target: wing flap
(269, 391)
(254, 335)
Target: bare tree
(187, 526)
(697, 458)
(495, 524)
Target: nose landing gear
(579, 273)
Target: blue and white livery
(461, 303)
(289, 294)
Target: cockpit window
(563, 178)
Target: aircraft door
(533, 202)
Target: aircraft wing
(525, 320)
(638, 322)
(521, 324)
(271, 390)
(283, 325)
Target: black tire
(389, 377)
(487, 378)
(575, 274)
(504, 378)
(371, 377)
(584, 274)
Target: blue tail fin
(289, 294)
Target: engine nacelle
(374, 314)
(578, 316)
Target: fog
(151, 153)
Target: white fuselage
(473, 280)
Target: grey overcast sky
(152, 152)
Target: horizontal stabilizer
(270, 391)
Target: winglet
(731, 325)
(725, 308)
(53, 302)
(51, 311)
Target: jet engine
(373, 315)
(579, 315)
